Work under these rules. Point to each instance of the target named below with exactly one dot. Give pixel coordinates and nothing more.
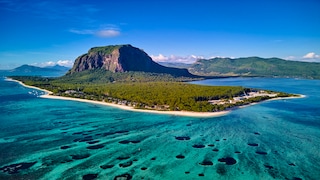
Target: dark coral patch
(93, 142)
(180, 156)
(206, 163)
(198, 146)
(144, 168)
(256, 133)
(210, 145)
(106, 166)
(153, 159)
(82, 124)
(291, 164)
(66, 161)
(124, 142)
(127, 142)
(64, 147)
(79, 156)
(123, 157)
(99, 146)
(221, 170)
(182, 138)
(187, 172)
(228, 160)
(76, 133)
(123, 177)
(253, 144)
(237, 152)
(215, 150)
(15, 168)
(261, 152)
(89, 176)
(268, 166)
(126, 164)
(201, 174)
(296, 178)
(121, 132)
(107, 134)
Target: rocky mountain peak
(121, 58)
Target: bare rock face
(121, 58)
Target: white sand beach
(177, 113)
(129, 108)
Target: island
(127, 77)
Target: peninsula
(126, 77)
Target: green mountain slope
(255, 66)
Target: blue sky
(47, 32)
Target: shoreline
(32, 87)
(49, 95)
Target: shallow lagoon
(56, 139)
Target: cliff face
(122, 58)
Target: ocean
(58, 139)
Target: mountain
(175, 64)
(122, 58)
(58, 68)
(255, 66)
(28, 70)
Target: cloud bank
(103, 33)
(66, 63)
(309, 57)
(175, 59)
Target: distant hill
(28, 70)
(175, 65)
(58, 68)
(122, 58)
(255, 66)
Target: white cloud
(311, 55)
(176, 59)
(290, 58)
(66, 63)
(159, 58)
(81, 31)
(104, 33)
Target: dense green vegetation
(141, 90)
(98, 76)
(255, 66)
(105, 49)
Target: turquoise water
(55, 139)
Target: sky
(49, 32)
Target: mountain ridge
(122, 58)
(30, 70)
(255, 66)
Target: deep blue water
(55, 139)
